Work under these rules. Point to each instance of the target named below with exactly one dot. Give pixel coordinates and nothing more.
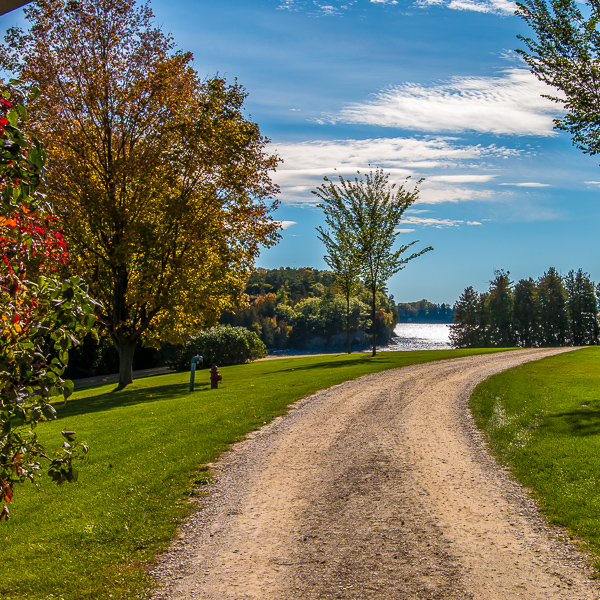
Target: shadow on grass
(113, 399)
(583, 422)
(107, 400)
(333, 364)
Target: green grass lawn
(543, 420)
(148, 446)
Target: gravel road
(377, 488)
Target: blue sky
(426, 88)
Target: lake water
(420, 336)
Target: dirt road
(377, 488)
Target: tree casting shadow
(115, 399)
(581, 422)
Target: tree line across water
(424, 311)
(553, 310)
(289, 309)
(306, 309)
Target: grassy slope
(93, 538)
(543, 420)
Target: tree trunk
(125, 364)
(374, 290)
(348, 322)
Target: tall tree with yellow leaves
(161, 184)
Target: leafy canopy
(162, 184)
(42, 315)
(565, 54)
(364, 215)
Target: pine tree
(464, 332)
(582, 308)
(484, 321)
(526, 315)
(552, 298)
(500, 302)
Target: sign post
(195, 360)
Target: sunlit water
(420, 336)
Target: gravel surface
(377, 488)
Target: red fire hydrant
(214, 377)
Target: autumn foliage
(42, 315)
(161, 182)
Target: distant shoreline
(423, 322)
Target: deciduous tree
(161, 183)
(342, 254)
(41, 314)
(565, 53)
(371, 209)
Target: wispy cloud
(287, 224)
(317, 7)
(410, 154)
(286, 5)
(461, 178)
(507, 104)
(528, 184)
(306, 163)
(438, 194)
(328, 9)
(504, 7)
(437, 223)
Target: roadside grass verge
(149, 447)
(542, 419)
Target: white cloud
(306, 163)
(404, 230)
(528, 184)
(461, 178)
(504, 7)
(314, 7)
(287, 224)
(508, 104)
(437, 223)
(511, 56)
(408, 154)
(328, 9)
(592, 182)
(438, 194)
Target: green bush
(221, 345)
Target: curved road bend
(376, 488)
